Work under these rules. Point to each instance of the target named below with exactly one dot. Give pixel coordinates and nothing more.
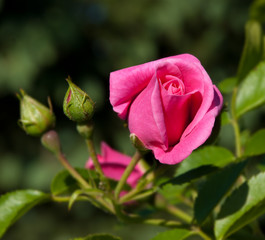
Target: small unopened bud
(137, 143)
(85, 130)
(35, 118)
(50, 140)
(77, 106)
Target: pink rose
(170, 105)
(113, 164)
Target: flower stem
(162, 222)
(178, 213)
(201, 233)
(129, 218)
(126, 174)
(93, 155)
(71, 170)
(235, 124)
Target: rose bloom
(170, 104)
(113, 164)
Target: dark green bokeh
(42, 42)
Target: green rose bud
(77, 106)
(35, 118)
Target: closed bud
(137, 143)
(50, 140)
(35, 118)
(77, 106)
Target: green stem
(136, 194)
(163, 222)
(65, 199)
(59, 198)
(178, 213)
(126, 174)
(235, 124)
(152, 221)
(71, 170)
(93, 155)
(201, 233)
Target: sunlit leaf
(171, 192)
(209, 155)
(14, 204)
(244, 205)
(251, 93)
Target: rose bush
(113, 164)
(170, 104)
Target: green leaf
(214, 189)
(99, 237)
(244, 205)
(191, 175)
(253, 47)
(14, 204)
(246, 233)
(171, 192)
(227, 85)
(175, 234)
(64, 183)
(256, 144)
(73, 198)
(209, 155)
(251, 93)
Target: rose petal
(146, 118)
(178, 113)
(204, 102)
(126, 84)
(197, 137)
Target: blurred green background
(42, 42)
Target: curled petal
(127, 83)
(197, 137)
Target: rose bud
(77, 106)
(35, 118)
(137, 143)
(113, 164)
(170, 104)
(50, 140)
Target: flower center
(173, 85)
